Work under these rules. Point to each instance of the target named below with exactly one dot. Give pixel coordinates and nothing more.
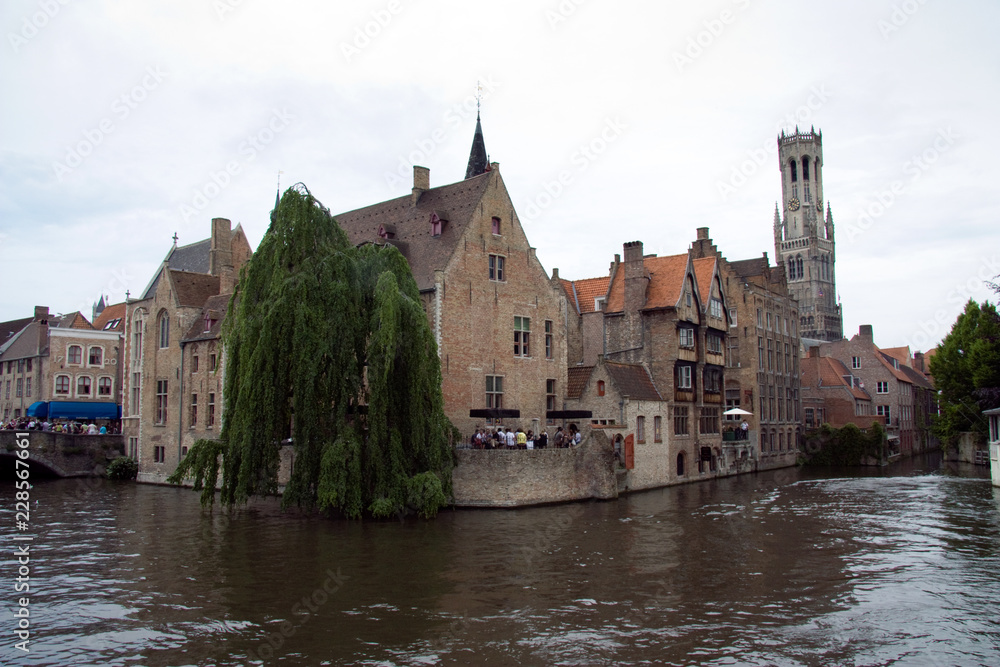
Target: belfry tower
(803, 237)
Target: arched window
(74, 355)
(164, 330)
(795, 170)
(805, 168)
(96, 356)
(104, 386)
(62, 385)
(680, 464)
(83, 386)
(799, 273)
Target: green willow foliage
(328, 344)
(846, 446)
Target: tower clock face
(793, 204)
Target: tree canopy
(966, 370)
(328, 344)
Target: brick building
(61, 365)
(832, 394)
(498, 322)
(900, 393)
(173, 366)
(762, 372)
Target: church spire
(479, 161)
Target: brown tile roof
(633, 380)
(900, 354)
(23, 344)
(425, 253)
(887, 362)
(193, 289)
(829, 372)
(11, 327)
(916, 377)
(583, 293)
(106, 321)
(666, 281)
(578, 376)
(71, 321)
(215, 306)
(704, 269)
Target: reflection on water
(789, 568)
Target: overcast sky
(126, 122)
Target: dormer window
(386, 232)
(436, 224)
(599, 303)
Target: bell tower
(803, 236)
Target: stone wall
(513, 478)
(67, 455)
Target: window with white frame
(715, 308)
(83, 385)
(494, 392)
(882, 387)
(104, 385)
(96, 356)
(74, 355)
(684, 377)
(855, 362)
(62, 385)
(686, 337)
(522, 334)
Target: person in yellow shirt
(522, 439)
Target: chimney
(220, 255)
(703, 233)
(766, 261)
(555, 274)
(865, 331)
(42, 317)
(421, 182)
(918, 362)
(636, 281)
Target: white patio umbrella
(736, 411)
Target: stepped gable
(666, 282)
(411, 224)
(633, 380)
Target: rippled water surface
(783, 568)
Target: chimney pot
(703, 233)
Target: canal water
(794, 567)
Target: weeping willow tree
(327, 344)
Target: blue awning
(38, 409)
(82, 410)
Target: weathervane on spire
(479, 96)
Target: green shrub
(123, 468)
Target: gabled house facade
(832, 394)
(159, 400)
(499, 324)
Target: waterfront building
(498, 322)
(901, 394)
(804, 241)
(994, 425)
(173, 360)
(59, 366)
(832, 395)
(762, 359)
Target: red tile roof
(900, 354)
(583, 293)
(666, 282)
(829, 372)
(106, 320)
(704, 269)
(578, 376)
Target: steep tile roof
(215, 308)
(666, 281)
(578, 376)
(193, 289)
(70, 321)
(900, 354)
(916, 377)
(425, 253)
(582, 294)
(829, 372)
(887, 362)
(11, 327)
(112, 318)
(704, 269)
(746, 268)
(633, 380)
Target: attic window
(436, 224)
(386, 232)
(208, 322)
(496, 225)
(599, 302)
(600, 387)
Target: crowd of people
(70, 427)
(508, 438)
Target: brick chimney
(42, 318)
(421, 182)
(220, 255)
(703, 246)
(636, 281)
(865, 331)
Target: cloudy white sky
(126, 122)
